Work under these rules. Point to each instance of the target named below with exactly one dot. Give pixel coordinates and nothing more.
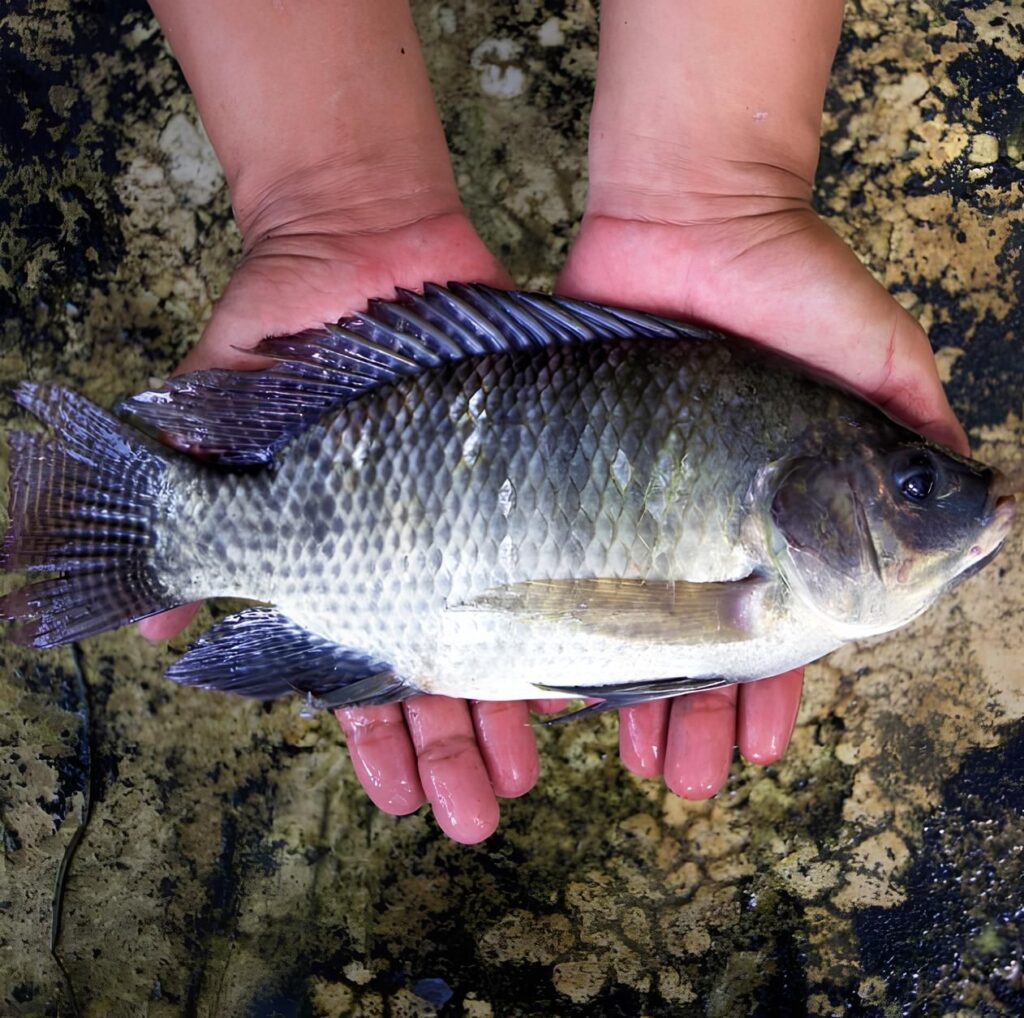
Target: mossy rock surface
(222, 859)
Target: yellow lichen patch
(999, 23)
(717, 836)
(472, 1007)
(821, 688)
(868, 881)
(330, 999)
(675, 988)
(580, 980)
(684, 879)
(679, 812)
(872, 990)
(643, 827)
(945, 359)
(522, 937)
(984, 149)
(807, 874)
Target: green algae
(231, 865)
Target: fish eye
(916, 477)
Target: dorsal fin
(242, 418)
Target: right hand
(789, 282)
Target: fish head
(872, 538)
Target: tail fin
(82, 505)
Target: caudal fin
(82, 505)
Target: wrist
(371, 193)
(321, 112)
(705, 110)
(657, 182)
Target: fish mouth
(1003, 514)
(976, 567)
(997, 529)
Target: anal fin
(262, 654)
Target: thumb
(910, 388)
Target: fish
(493, 495)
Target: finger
(910, 388)
(167, 624)
(509, 750)
(701, 736)
(766, 714)
(452, 772)
(642, 733)
(383, 756)
(548, 706)
(879, 348)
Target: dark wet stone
(956, 941)
(231, 865)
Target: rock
(984, 149)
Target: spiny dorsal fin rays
(243, 418)
(509, 326)
(460, 341)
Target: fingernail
(642, 738)
(698, 775)
(767, 715)
(507, 745)
(463, 820)
(701, 736)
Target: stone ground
(168, 852)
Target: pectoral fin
(672, 611)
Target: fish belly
(488, 659)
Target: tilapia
(494, 495)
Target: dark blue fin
(244, 418)
(82, 505)
(262, 654)
(628, 694)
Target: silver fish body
(635, 459)
(630, 515)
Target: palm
(787, 281)
(289, 283)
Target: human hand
(323, 119)
(786, 280)
(704, 138)
(458, 756)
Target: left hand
(461, 756)
(458, 756)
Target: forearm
(323, 104)
(698, 99)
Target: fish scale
(426, 521)
(495, 495)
